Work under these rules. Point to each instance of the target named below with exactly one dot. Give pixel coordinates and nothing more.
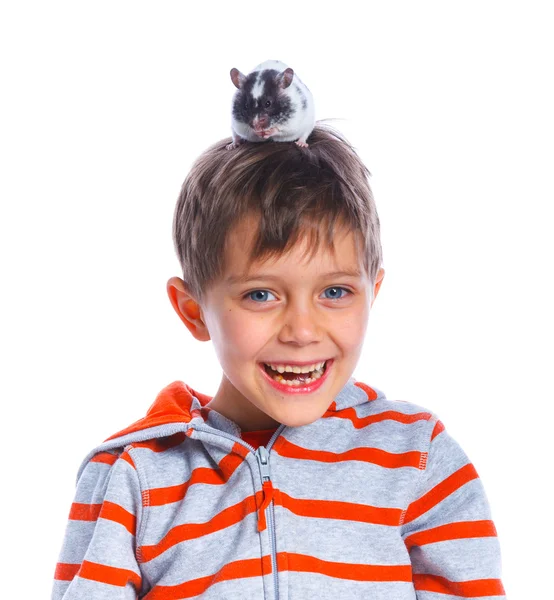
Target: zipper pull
(263, 461)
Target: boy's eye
(257, 295)
(260, 295)
(335, 290)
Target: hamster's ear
(186, 307)
(284, 79)
(237, 78)
(378, 282)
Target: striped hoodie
(373, 500)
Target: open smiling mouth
(297, 379)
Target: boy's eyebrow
(232, 279)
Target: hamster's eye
(268, 103)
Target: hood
(178, 405)
(174, 404)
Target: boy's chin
(300, 423)
(297, 420)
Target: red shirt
(258, 438)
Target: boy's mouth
(292, 378)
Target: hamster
(271, 102)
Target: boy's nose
(301, 327)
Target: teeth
(295, 369)
(317, 374)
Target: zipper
(262, 456)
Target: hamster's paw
(301, 144)
(236, 142)
(234, 145)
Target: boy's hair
(293, 191)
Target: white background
(105, 105)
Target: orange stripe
(251, 567)
(66, 571)
(439, 428)
(369, 455)
(188, 531)
(175, 493)
(292, 562)
(355, 572)
(104, 457)
(111, 575)
(387, 415)
(127, 458)
(165, 495)
(84, 512)
(118, 514)
(452, 531)
(346, 511)
(206, 475)
(240, 450)
(476, 588)
(371, 393)
(440, 492)
(232, 461)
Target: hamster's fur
(271, 102)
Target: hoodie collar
(180, 403)
(178, 407)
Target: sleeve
(98, 559)
(447, 528)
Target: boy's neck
(230, 403)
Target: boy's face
(291, 312)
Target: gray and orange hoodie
(373, 500)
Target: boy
(295, 481)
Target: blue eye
(337, 289)
(260, 295)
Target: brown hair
(292, 190)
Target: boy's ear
(187, 308)
(378, 281)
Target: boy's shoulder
(379, 405)
(400, 422)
